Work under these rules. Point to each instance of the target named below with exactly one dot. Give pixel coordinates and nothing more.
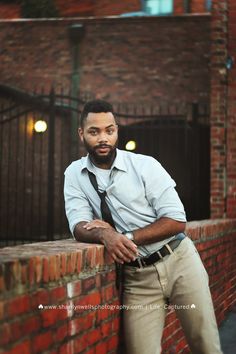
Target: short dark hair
(95, 106)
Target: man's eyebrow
(96, 128)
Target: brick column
(219, 39)
(179, 7)
(231, 128)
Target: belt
(156, 256)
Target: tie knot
(102, 194)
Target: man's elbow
(181, 226)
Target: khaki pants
(180, 279)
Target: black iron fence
(32, 164)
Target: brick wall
(66, 274)
(73, 8)
(231, 124)
(120, 59)
(117, 7)
(223, 109)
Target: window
(208, 5)
(158, 7)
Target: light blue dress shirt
(139, 193)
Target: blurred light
(40, 126)
(131, 145)
(229, 62)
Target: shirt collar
(118, 163)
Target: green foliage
(38, 9)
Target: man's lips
(103, 148)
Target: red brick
(74, 288)
(16, 330)
(107, 293)
(106, 329)
(88, 284)
(102, 314)
(91, 351)
(18, 305)
(49, 317)
(5, 334)
(91, 299)
(81, 343)
(42, 342)
(101, 348)
(45, 269)
(2, 310)
(61, 333)
(22, 348)
(94, 336)
(30, 325)
(41, 296)
(67, 348)
(71, 263)
(52, 316)
(63, 264)
(38, 269)
(113, 343)
(52, 267)
(90, 257)
(31, 271)
(58, 294)
(80, 324)
(11, 274)
(79, 261)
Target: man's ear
(81, 134)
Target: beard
(100, 159)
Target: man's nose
(102, 137)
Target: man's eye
(110, 131)
(93, 132)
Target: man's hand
(97, 223)
(119, 246)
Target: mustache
(103, 146)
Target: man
(161, 264)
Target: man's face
(100, 137)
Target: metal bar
(1, 169)
(40, 184)
(8, 184)
(51, 169)
(32, 184)
(17, 167)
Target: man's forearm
(89, 236)
(158, 231)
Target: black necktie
(106, 216)
(106, 213)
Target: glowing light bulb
(130, 145)
(40, 126)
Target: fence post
(76, 32)
(51, 167)
(196, 172)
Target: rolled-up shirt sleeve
(77, 206)
(161, 193)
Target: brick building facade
(223, 109)
(187, 70)
(73, 8)
(116, 55)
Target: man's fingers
(96, 224)
(128, 255)
(117, 259)
(130, 246)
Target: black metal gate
(179, 138)
(32, 164)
